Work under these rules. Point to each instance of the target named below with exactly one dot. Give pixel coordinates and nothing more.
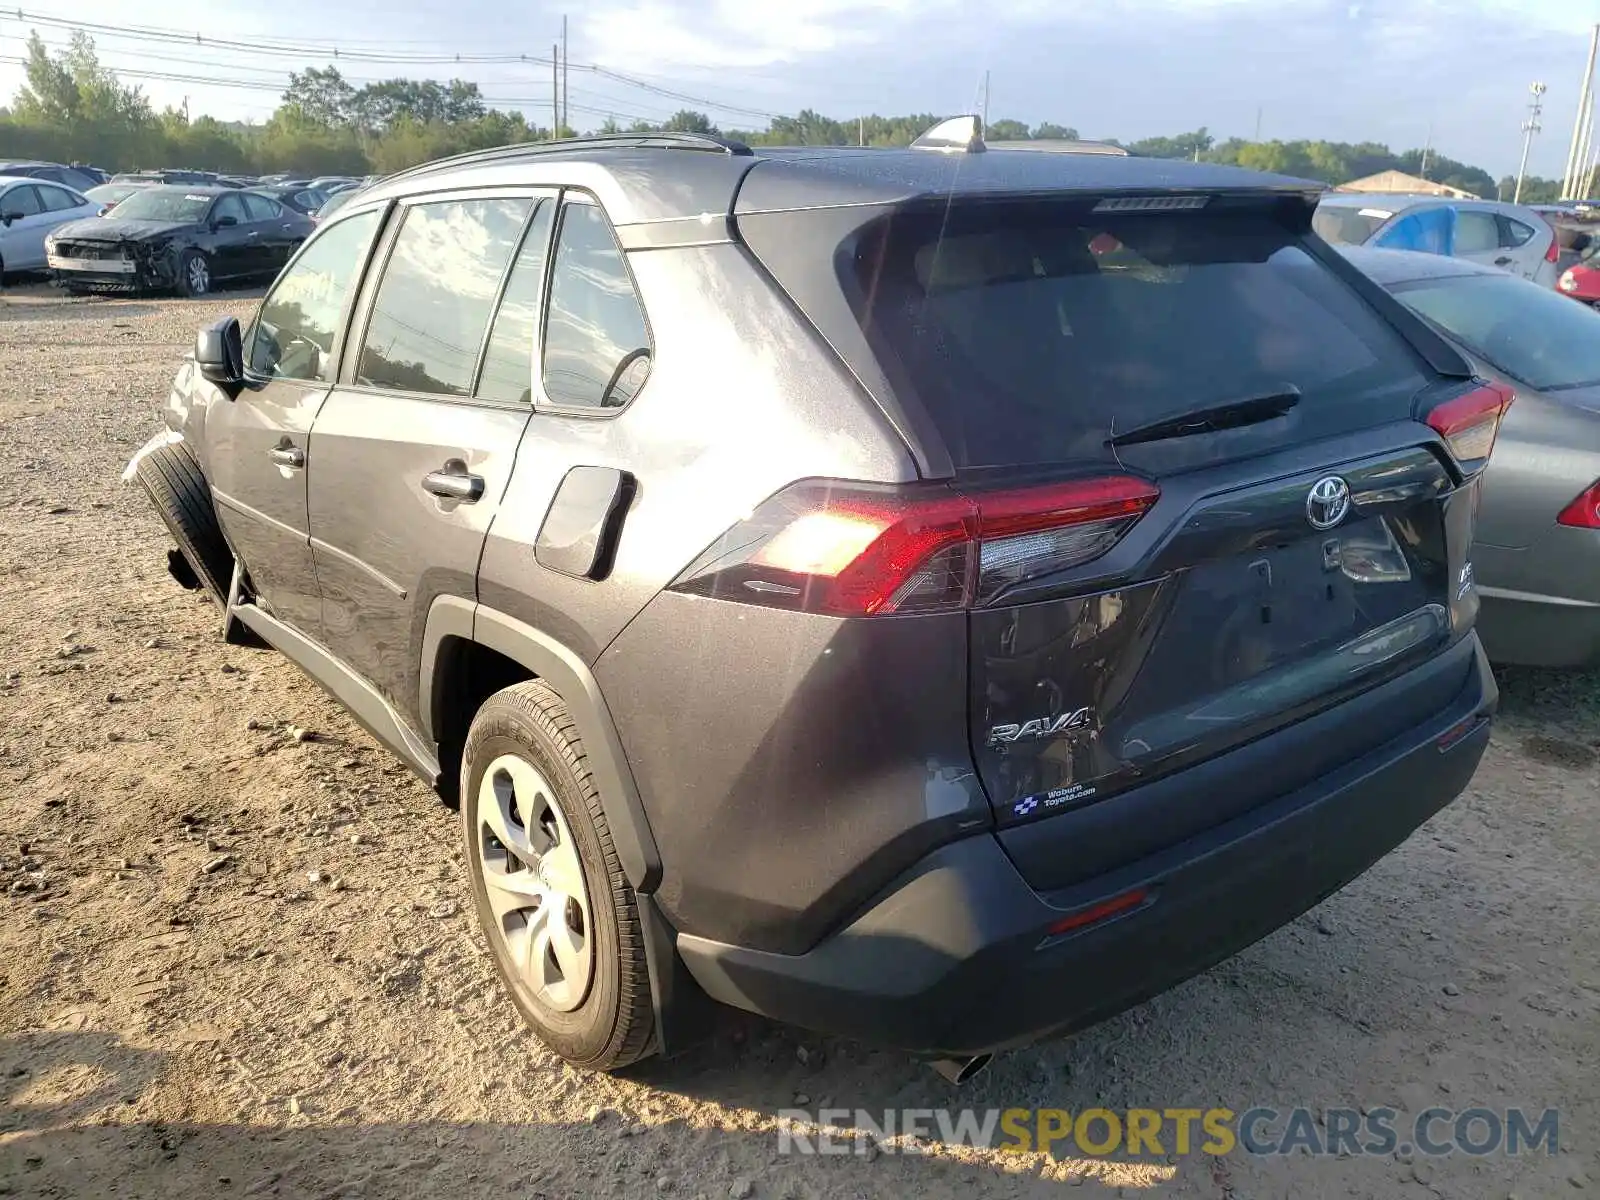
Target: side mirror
(7, 218)
(219, 353)
(224, 222)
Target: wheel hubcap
(535, 883)
(199, 277)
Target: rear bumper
(956, 958)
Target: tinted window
(508, 365)
(260, 208)
(1032, 335)
(1533, 334)
(293, 335)
(22, 201)
(596, 346)
(230, 206)
(1476, 232)
(1430, 231)
(1514, 232)
(1347, 226)
(58, 199)
(437, 290)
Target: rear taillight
(854, 550)
(1553, 254)
(1584, 512)
(1470, 422)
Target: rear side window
(509, 362)
(438, 288)
(260, 208)
(293, 334)
(58, 199)
(596, 346)
(1513, 233)
(1033, 335)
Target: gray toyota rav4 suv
(934, 596)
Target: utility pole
(1258, 123)
(555, 92)
(1580, 122)
(1427, 149)
(1529, 128)
(566, 113)
(861, 131)
(985, 116)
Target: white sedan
(29, 210)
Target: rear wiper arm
(1231, 415)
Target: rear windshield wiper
(1208, 420)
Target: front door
(410, 455)
(235, 245)
(258, 445)
(23, 232)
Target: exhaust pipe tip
(959, 1070)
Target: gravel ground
(235, 962)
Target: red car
(1581, 281)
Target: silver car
(1537, 553)
(29, 210)
(1510, 236)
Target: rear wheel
(194, 274)
(550, 894)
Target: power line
(306, 51)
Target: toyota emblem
(1328, 502)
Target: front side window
(438, 288)
(1429, 231)
(596, 345)
(21, 202)
(229, 208)
(293, 335)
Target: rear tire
(177, 489)
(523, 770)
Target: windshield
(110, 193)
(1347, 226)
(164, 204)
(1534, 335)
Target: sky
(1346, 70)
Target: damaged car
(183, 238)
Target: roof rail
(958, 135)
(663, 140)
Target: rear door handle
(1503, 261)
(288, 456)
(453, 482)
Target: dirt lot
(237, 963)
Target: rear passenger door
(412, 451)
(1478, 239)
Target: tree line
(73, 109)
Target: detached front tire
(561, 919)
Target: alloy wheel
(199, 276)
(534, 882)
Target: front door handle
(454, 482)
(288, 456)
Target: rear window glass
(1535, 335)
(1034, 335)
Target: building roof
(1399, 181)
